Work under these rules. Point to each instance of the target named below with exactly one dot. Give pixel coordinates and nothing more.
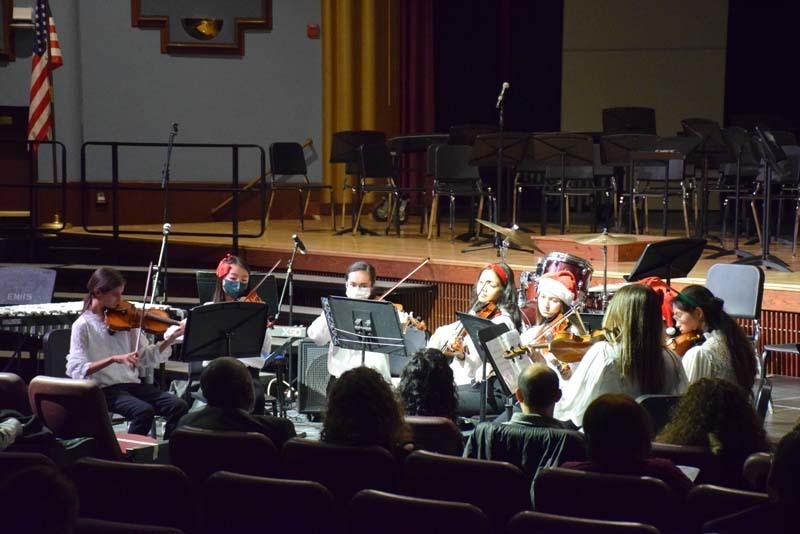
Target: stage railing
(116, 186)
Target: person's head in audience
(537, 390)
(362, 410)
(783, 483)
(618, 432)
(426, 385)
(39, 499)
(717, 414)
(227, 384)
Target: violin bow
(265, 277)
(144, 305)
(406, 277)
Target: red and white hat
(559, 284)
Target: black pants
(469, 398)
(140, 403)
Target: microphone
(174, 128)
(506, 87)
(299, 244)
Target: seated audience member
(532, 440)
(427, 387)
(228, 389)
(362, 411)
(783, 486)
(717, 414)
(618, 442)
(10, 429)
(40, 500)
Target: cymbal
(605, 239)
(516, 237)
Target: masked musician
(111, 358)
(494, 297)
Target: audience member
(717, 414)
(39, 500)
(618, 434)
(427, 387)
(10, 429)
(362, 410)
(228, 389)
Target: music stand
(363, 325)
(484, 330)
(344, 149)
(671, 258)
(502, 150)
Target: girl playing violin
(111, 358)
(493, 292)
(556, 293)
(723, 350)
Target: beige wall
(668, 55)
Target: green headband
(686, 299)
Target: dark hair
(219, 293)
(635, 325)
(618, 431)
(39, 499)
(783, 483)
(227, 383)
(508, 298)
(426, 385)
(362, 410)
(538, 385)
(719, 415)
(103, 280)
(362, 266)
(739, 345)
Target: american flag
(46, 58)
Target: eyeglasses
(360, 286)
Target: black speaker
(312, 377)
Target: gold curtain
(360, 73)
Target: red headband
(223, 268)
(499, 271)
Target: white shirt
(709, 360)
(341, 360)
(466, 371)
(91, 342)
(9, 430)
(600, 373)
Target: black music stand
(484, 330)
(616, 150)
(344, 149)
(363, 325)
(668, 259)
(770, 151)
(503, 150)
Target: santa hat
(559, 284)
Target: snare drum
(594, 297)
(560, 261)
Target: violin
(419, 324)
(565, 346)
(456, 348)
(682, 342)
(127, 316)
(413, 321)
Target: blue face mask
(233, 288)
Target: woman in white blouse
(632, 361)
(725, 351)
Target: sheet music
(509, 369)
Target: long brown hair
(103, 280)
(636, 329)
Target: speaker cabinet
(313, 377)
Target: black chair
(14, 394)
(11, 462)
(707, 502)
(55, 347)
(86, 525)
(453, 177)
(756, 470)
(378, 176)
(287, 160)
(741, 176)
(659, 408)
(345, 149)
(763, 398)
(307, 506)
(637, 120)
(376, 511)
(541, 523)
(712, 469)
(436, 434)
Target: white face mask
(358, 292)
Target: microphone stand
(289, 283)
(161, 269)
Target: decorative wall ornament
(202, 26)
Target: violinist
(632, 360)
(494, 296)
(555, 295)
(723, 349)
(111, 358)
(359, 284)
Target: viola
(456, 348)
(127, 316)
(682, 342)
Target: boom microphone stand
(160, 276)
